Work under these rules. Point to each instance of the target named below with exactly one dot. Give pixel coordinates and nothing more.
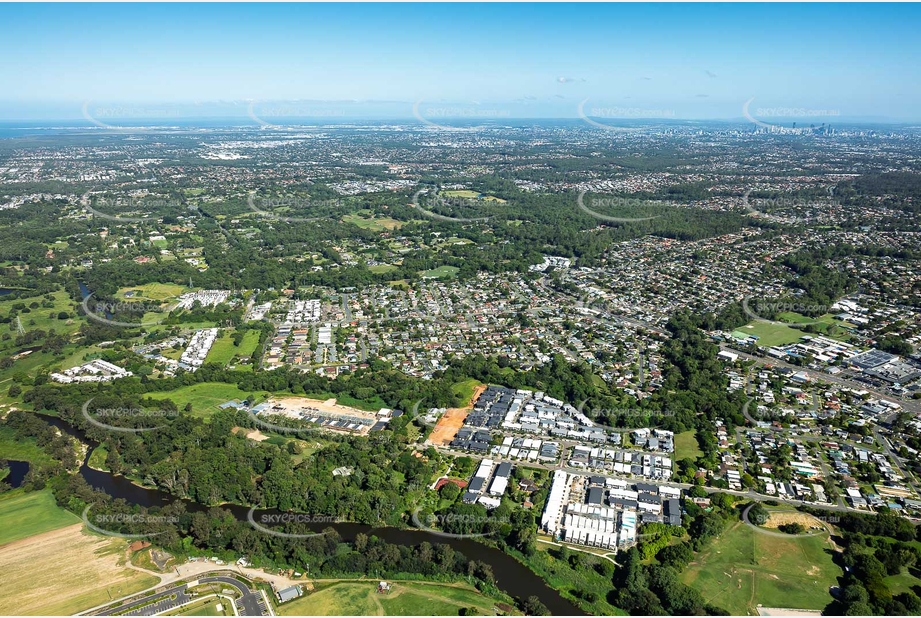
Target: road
(911, 405)
(250, 603)
(750, 494)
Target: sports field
(404, 599)
(744, 568)
(25, 514)
(771, 334)
(442, 272)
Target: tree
(533, 607)
(758, 515)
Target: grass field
(374, 224)
(686, 446)
(903, 582)
(471, 195)
(771, 334)
(405, 599)
(465, 390)
(41, 317)
(205, 397)
(65, 571)
(21, 450)
(442, 272)
(382, 268)
(25, 514)
(223, 349)
(152, 291)
(744, 568)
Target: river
(511, 576)
(18, 471)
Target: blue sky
(687, 61)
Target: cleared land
(374, 224)
(405, 599)
(205, 397)
(152, 291)
(224, 350)
(686, 446)
(88, 570)
(453, 419)
(743, 569)
(473, 195)
(779, 518)
(25, 514)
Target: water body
(18, 471)
(511, 576)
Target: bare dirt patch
(453, 420)
(779, 518)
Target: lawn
(903, 582)
(405, 599)
(205, 397)
(686, 446)
(744, 568)
(25, 514)
(442, 272)
(771, 334)
(224, 350)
